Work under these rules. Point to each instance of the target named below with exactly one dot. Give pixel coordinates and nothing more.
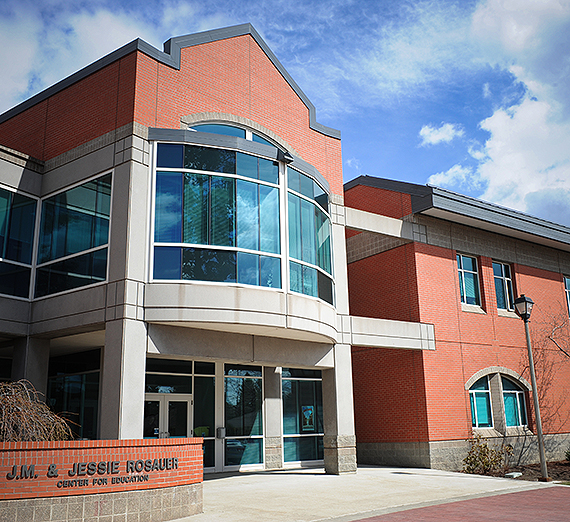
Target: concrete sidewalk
(311, 495)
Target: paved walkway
(379, 494)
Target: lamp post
(523, 308)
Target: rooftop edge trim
(427, 197)
(171, 57)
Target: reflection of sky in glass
(168, 218)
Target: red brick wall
(389, 395)
(236, 77)
(231, 76)
(385, 285)
(62, 456)
(386, 381)
(379, 201)
(84, 111)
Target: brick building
(172, 255)
(423, 254)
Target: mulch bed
(556, 471)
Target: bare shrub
(25, 417)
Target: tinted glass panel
(294, 180)
(323, 241)
(18, 246)
(325, 288)
(213, 160)
(168, 366)
(170, 155)
(155, 383)
(14, 280)
(511, 409)
(500, 293)
(497, 269)
(226, 130)
(295, 245)
(167, 263)
(483, 407)
(310, 281)
(204, 408)
(75, 220)
(243, 451)
(296, 277)
(205, 368)
(209, 265)
(151, 419)
(222, 193)
(75, 362)
(481, 384)
(268, 171)
(178, 418)
(269, 219)
(247, 165)
(243, 406)
(270, 272)
(247, 208)
(248, 268)
(196, 190)
(308, 232)
(242, 370)
(71, 273)
(303, 448)
(168, 207)
(259, 139)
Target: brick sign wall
(48, 469)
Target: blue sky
(473, 96)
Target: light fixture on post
(523, 308)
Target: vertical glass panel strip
(247, 214)
(196, 187)
(222, 194)
(310, 281)
(213, 160)
(248, 268)
(168, 207)
(270, 272)
(308, 232)
(5, 198)
(269, 219)
(323, 241)
(295, 277)
(295, 245)
(21, 232)
(294, 180)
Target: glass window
(168, 207)
(468, 280)
(75, 220)
(480, 398)
(219, 211)
(17, 220)
(259, 139)
(220, 128)
(302, 415)
(503, 286)
(513, 397)
(71, 273)
(14, 279)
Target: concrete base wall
(149, 505)
(449, 455)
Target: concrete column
(497, 403)
(30, 361)
(273, 418)
(122, 380)
(338, 410)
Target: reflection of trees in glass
(209, 265)
(214, 160)
(243, 407)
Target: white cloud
(456, 176)
(444, 134)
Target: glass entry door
(167, 415)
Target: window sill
(486, 432)
(473, 309)
(507, 313)
(514, 431)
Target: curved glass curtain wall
(216, 216)
(310, 267)
(230, 130)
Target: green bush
(482, 460)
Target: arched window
(480, 397)
(515, 408)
